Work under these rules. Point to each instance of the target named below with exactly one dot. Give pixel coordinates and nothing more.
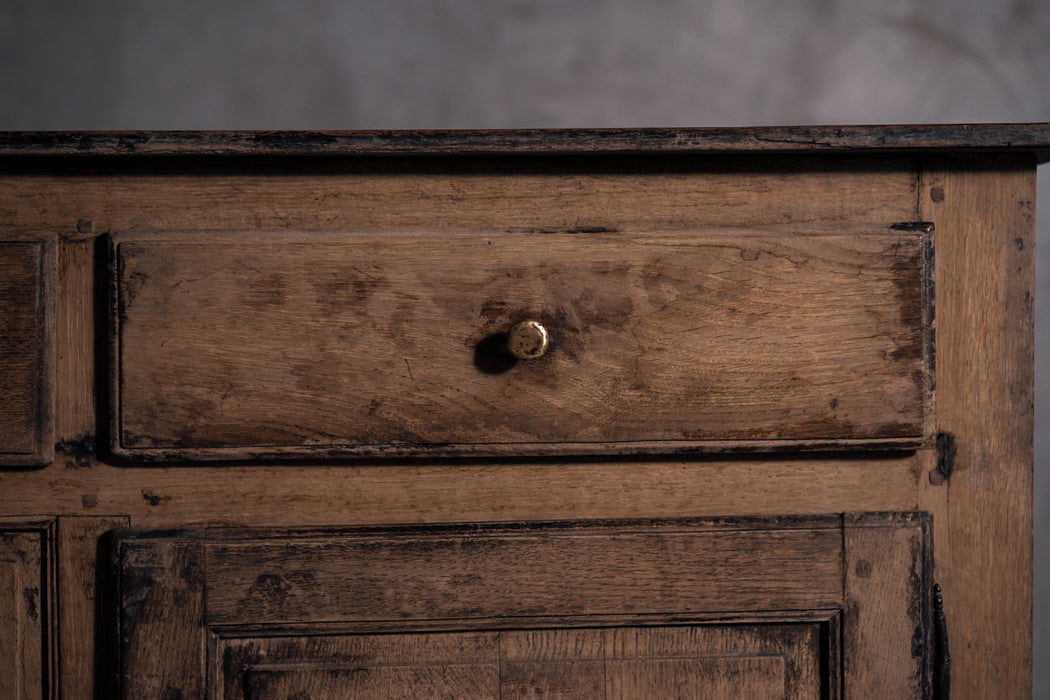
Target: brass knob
(527, 340)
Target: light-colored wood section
(254, 345)
(275, 579)
(314, 495)
(513, 195)
(79, 601)
(26, 351)
(161, 618)
(886, 629)
(27, 620)
(75, 360)
(984, 210)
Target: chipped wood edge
(1032, 137)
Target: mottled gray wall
(311, 64)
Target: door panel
(687, 608)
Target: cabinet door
(794, 607)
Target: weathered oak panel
(364, 343)
(550, 572)
(625, 607)
(26, 353)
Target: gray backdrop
(331, 64)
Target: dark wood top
(1034, 138)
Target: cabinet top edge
(1025, 138)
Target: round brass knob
(527, 340)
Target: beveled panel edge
(565, 527)
(417, 451)
(233, 632)
(1018, 137)
(44, 451)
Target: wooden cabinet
(266, 436)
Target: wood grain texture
(297, 344)
(457, 664)
(26, 351)
(723, 661)
(310, 494)
(956, 137)
(28, 620)
(887, 635)
(643, 569)
(81, 601)
(985, 278)
(516, 194)
(716, 661)
(610, 607)
(981, 207)
(161, 618)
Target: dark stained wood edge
(831, 618)
(919, 577)
(572, 528)
(416, 451)
(929, 332)
(44, 451)
(1032, 137)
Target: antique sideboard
(582, 413)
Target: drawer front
(251, 345)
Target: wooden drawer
(247, 345)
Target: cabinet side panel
(984, 212)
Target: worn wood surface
(28, 620)
(161, 618)
(887, 636)
(906, 137)
(26, 351)
(258, 345)
(513, 194)
(560, 607)
(630, 570)
(710, 661)
(455, 665)
(311, 494)
(985, 284)
(82, 604)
